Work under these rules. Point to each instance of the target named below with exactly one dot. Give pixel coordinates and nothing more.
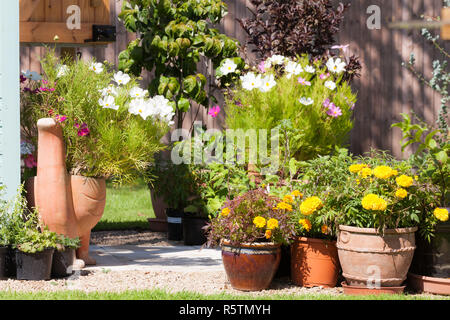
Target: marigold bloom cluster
(384, 172)
(310, 205)
(441, 214)
(305, 223)
(259, 222)
(401, 193)
(404, 181)
(355, 168)
(284, 206)
(374, 203)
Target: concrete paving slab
(163, 258)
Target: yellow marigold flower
(259, 221)
(324, 229)
(416, 178)
(272, 224)
(374, 203)
(288, 199)
(365, 172)
(401, 193)
(310, 205)
(225, 212)
(284, 206)
(355, 168)
(394, 173)
(441, 214)
(297, 193)
(404, 181)
(305, 223)
(383, 172)
(268, 234)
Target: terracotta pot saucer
(429, 284)
(361, 291)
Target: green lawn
(158, 294)
(127, 207)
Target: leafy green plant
(309, 103)
(110, 128)
(64, 242)
(250, 218)
(172, 37)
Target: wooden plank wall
(385, 89)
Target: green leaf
(183, 104)
(441, 156)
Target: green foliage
(431, 157)
(173, 36)
(305, 131)
(100, 141)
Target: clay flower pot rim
(314, 240)
(430, 279)
(251, 245)
(375, 231)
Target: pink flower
(326, 103)
(334, 111)
(83, 129)
(303, 81)
(262, 67)
(60, 118)
(324, 76)
(30, 162)
(214, 111)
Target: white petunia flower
(228, 67)
(267, 83)
(293, 68)
(336, 66)
(97, 67)
(251, 81)
(108, 103)
(109, 90)
(310, 69)
(121, 78)
(62, 71)
(137, 92)
(306, 101)
(32, 75)
(330, 85)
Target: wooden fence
(385, 88)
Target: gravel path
(117, 281)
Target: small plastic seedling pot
(34, 266)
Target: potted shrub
(97, 124)
(64, 256)
(380, 207)
(250, 232)
(430, 269)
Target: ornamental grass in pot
(250, 232)
(89, 124)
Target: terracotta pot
(371, 260)
(314, 262)
(250, 266)
(89, 199)
(68, 205)
(158, 224)
(429, 284)
(364, 291)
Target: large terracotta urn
(370, 259)
(68, 205)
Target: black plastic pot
(433, 259)
(174, 224)
(3, 258)
(34, 266)
(62, 265)
(193, 233)
(11, 268)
